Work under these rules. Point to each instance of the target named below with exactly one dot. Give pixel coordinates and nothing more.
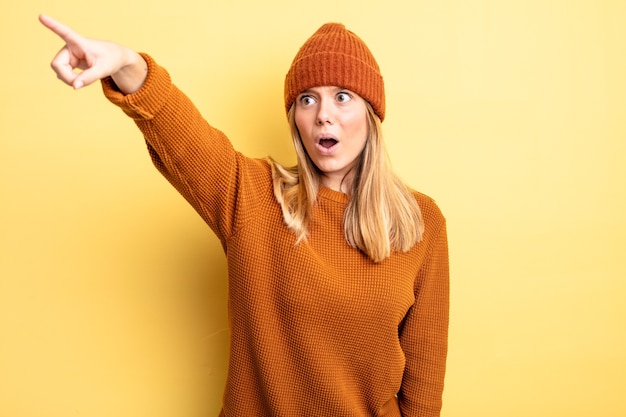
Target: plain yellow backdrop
(511, 114)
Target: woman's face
(332, 122)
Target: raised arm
(95, 59)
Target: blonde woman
(338, 272)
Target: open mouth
(327, 142)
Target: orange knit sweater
(317, 329)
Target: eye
(306, 100)
(343, 97)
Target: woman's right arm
(195, 157)
(95, 59)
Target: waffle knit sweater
(317, 329)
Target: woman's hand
(95, 60)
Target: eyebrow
(334, 87)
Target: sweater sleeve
(424, 332)
(196, 158)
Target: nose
(324, 113)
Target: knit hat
(335, 56)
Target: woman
(338, 273)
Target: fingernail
(78, 84)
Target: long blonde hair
(382, 215)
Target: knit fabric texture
(334, 56)
(316, 329)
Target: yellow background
(511, 114)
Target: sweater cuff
(149, 99)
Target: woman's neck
(341, 184)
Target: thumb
(78, 83)
(91, 72)
(85, 78)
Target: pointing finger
(63, 31)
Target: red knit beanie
(337, 57)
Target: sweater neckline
(330, 194)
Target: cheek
(302, 121)
(359, 129)
(301, 126)
(306, 135)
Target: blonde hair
(382, 215)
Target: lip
(323, 149)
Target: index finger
(64, 32)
